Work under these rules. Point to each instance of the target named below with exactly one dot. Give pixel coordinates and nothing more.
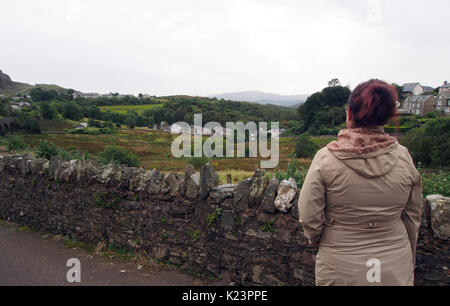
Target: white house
(82, 125)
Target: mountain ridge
(263, 98)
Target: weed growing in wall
(214, 217)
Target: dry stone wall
(248, 233)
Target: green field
(123, 109)
(154, 149)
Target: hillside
(263, 98)
(9, 87)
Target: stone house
(419, 105)
(445, 88)
(443, 103)
(412, 89)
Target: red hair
(373, 103)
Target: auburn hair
(373, 103)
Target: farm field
(154, 150)
(123, 109)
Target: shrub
(16, 143)
(305, 147)
(46, 150)
(73, 153)
(436, 183)
(94, 123)
(212, 218)
(88, 131)
(401, 129)
(198, 162)
(293, 172)
(268, 226)
(430, 144)
(118, 156)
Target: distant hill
(297, 105)
(263, 98)
(9, 87)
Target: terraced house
(443, 103)
(443, 99)
(420, 105)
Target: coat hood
(368, 151)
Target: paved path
(30, 259)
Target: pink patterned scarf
(362, 140)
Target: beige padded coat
(361, 203)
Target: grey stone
(54, 166)
(192, 186)
(294, 210)
(286, 195)
(171, 184)
(440, 216)
(37, 165)
(153, 180)
(258, 184)
(24, 164)
(160, 252)
(226, 221)
(241, 196)
(269, 196)
(110, 175)
(208, 179)
(88, 172)
(220, 193)
(188, 172)
(134, 177)
(69, 171)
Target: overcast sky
(202, 47)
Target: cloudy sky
(201, 47)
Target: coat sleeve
(311, 204)
(412, 214)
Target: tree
(72, 111)
(28, 122)
(430, 143)
(325, 109)
(48, 111)
(39, 95)
(334, 83)
(130, 121)
(94, 112)
(399, 90)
